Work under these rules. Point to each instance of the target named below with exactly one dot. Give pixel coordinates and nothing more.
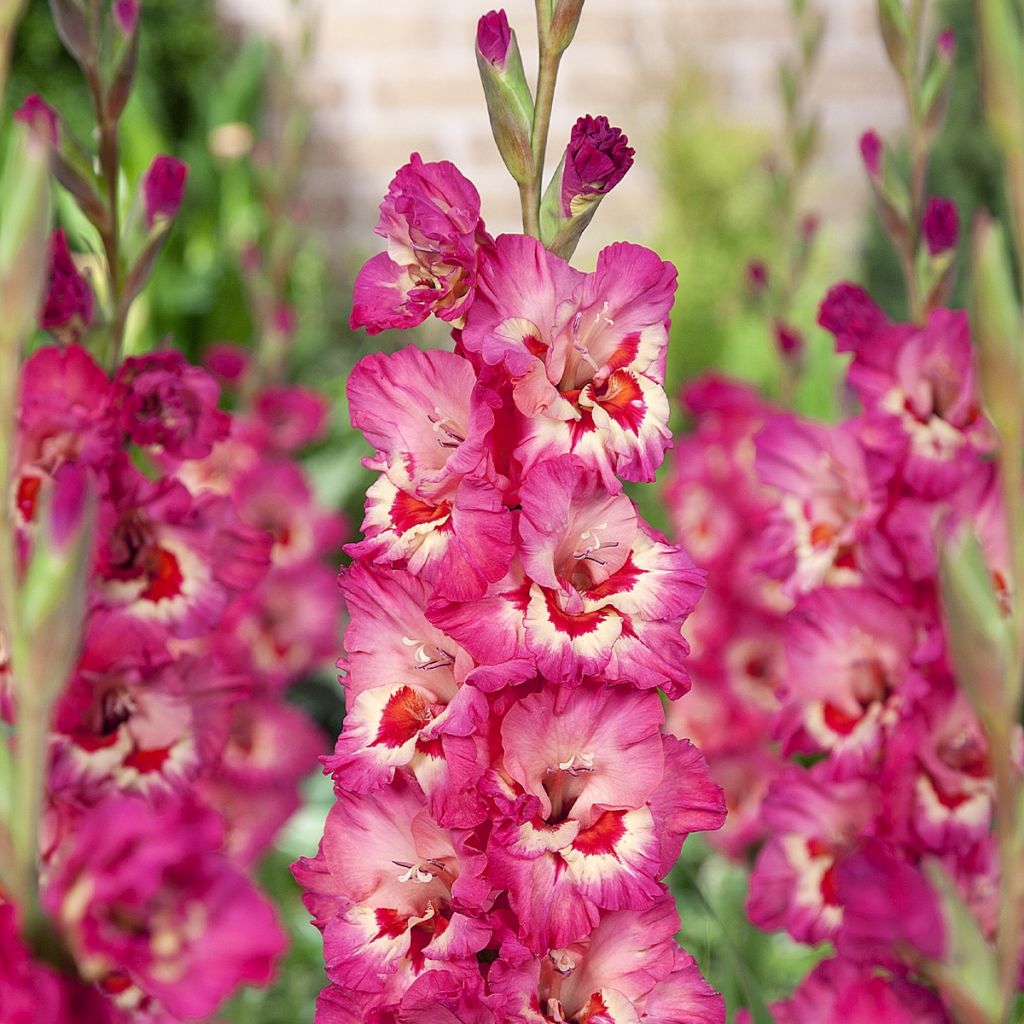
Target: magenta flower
(596, 160)
(149, 904)
(431, 221)
(68, 307)
(941, 225)
(163, 188)
(165, 403)
(871, 153)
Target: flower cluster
(507, 799)
(825, 543)
(173, 757)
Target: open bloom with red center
(154, 913)
(164, 402)
(814, 823)
(431, 221)
(586, 352)
(849, 677)
(918, 388)
(173, 560)
(408, 707)
(627, 970)
(149, 728)
(385, 888)
(840, 989)
(598, 593)
(432, 510)
(827, 503)
(604, 796)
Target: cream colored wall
(392, 76)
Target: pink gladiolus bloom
(839, 989)
(149, 904)
(586, 352)
(814, 823)
(431, 221)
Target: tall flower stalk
(507, 800)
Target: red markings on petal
(390, 923)
(623, 400)
(165, 577)
(147, 761)
(574, 626)
(408, 512)
(602, 836)
(535, 346)
(402, 718)
(27, 495)
(618, 583)
(839, 721)
(625, 353)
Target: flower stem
(547, 75)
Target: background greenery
(717, 216)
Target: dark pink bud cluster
(173, 757)
(508, 801)
(821, 643)
(941, 225)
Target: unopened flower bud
(757, 276)
(789, 340)
(945, 45)
(39, 116)
(509, 101)
(163, 188)
(126, 14)
(564, 19)
(595, 161)
(941, 225)
(871, 153)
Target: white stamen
(579, 762)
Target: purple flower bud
(126, 14)
(38, 115)
(809, 226)
(163, 187)
(946, 44)
(941, 225)
(757, 276)
(493, 37)
(789, 340)
(596, 160)
(68, 303)
(871, 153)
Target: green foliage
(750, 968)
(964, 166)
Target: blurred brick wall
(392, 76)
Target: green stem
(547, 75)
